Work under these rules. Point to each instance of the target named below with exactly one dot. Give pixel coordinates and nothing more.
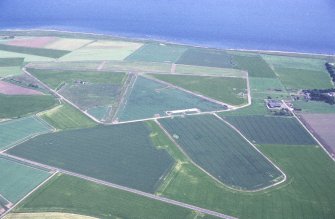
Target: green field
(314, 106)
(272, 130)
(122, 154)
(266, 85)
(10, 71)
(16, 106)
(100, 112)
(305, 194)
(66, 117)
(257, 107)
(154, 52)
(304, 79)
(204, 70)
(222, 152)
(255, 65)
(69, 194)
(113, 66)
(225, 89)
(17, 180)
(138, 67)
(54, 78)
(295, 62)
(95, 54)
(87, 96)
(17, 130)
(51, 53)
(10, 66)
(27, 57)
(207, 57)
(6, 62)
(149, 98)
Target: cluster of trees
(331, 69)
(325, 95)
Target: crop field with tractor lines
(17, 180)
(99, 152)
(272, 130)
(17, 130)
(255, 65)
(221, 151)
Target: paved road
(123, 188)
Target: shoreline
(141, 39)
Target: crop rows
(222, 152)
(272, 130)
(16, 130)
(121, 154)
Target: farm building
(273, 104)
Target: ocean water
(286, 25)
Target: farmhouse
(273, 104)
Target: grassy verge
(66, 117)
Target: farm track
(101, 66)
(173, 68)
(115, 186)
(126, 91)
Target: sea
(305, 26)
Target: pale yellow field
(115, 45)
(103, 50)
(191, 69)
(67, 44)
(46, 215)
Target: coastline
(148, 39)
